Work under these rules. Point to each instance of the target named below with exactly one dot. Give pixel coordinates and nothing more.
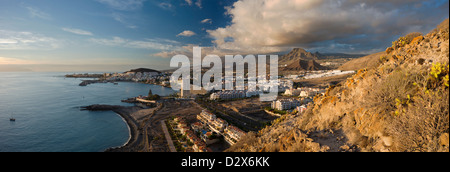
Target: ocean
(48, 118)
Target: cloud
(122, 19)
(78, 31)
(189, 2)
(187, 33)
(14, 40)
(277, 25)
(124, 5)
(35, 12)
(188, 51)
(206, 21)
(197, 3)
(166, 6)
(182, 50)
(153, 44)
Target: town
(226, 116)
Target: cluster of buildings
(230, 133)
(143, 75)
(238, 92)
(285, 104)
(304, 92)
(327, 74)
(207, 131)
(291, 104)
(233, 134)
(319, 74)
(199, 144)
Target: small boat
(12, 119)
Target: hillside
(143, 70)
(299, 53)
(368, 62)
(401, 104)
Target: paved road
(168, 138)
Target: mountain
(296, 54)
(299, 53)
(300, 60)
(304, 65)
(401, 104)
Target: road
(167, 135)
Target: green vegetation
(402, 41)
(383, 59)
(438, 75)
(418, 101)
(176, 136)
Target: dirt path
(334, 139)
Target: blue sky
(114, 32)
(115, 35)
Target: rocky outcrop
(100, 107)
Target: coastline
(125, 112)
(129, 134)
(146, 131)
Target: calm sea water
(48, 119)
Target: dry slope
(402, 104)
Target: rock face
(401, 104)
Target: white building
(206, 116)
(285, 104)
(233, 134)
(301, 109)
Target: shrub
(382, 59)
(421, 126)
(438, 76)
(393, 92)
(402, 41)
(409, 37)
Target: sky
(117, 35)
